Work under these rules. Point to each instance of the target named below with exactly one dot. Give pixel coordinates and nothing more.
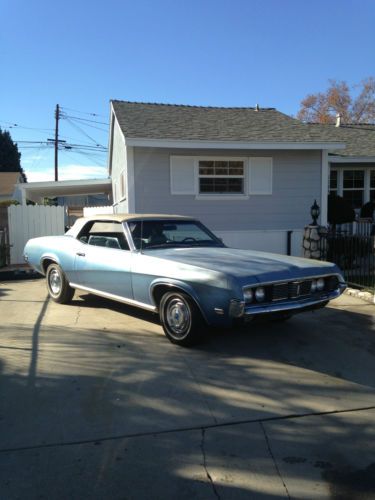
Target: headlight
(248, 295)
(313, 286)
(320, 284)
(260, 294)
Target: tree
(324, 106)
(10, 157)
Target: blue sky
(81, 54)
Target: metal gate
(30, 221)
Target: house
(250, 174)
(9, 186)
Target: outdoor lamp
(314, 211)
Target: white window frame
(222, 196)
(337, 170)
(369, 183)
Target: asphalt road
(95, 403)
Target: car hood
(247, 265)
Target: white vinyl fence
(30, 221)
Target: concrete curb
(366, 296)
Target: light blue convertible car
(176, 267)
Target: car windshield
(171, 233)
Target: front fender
(180, 285)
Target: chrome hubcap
(178, 317)
(55, 282)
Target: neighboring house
(9, 186)
(352, 170)
(250, 174)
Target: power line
(83, 132)
(83, 112)
(69, 153)
(83, 119)
(16, 125)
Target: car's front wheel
(181, 318)
(57, 285)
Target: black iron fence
(354, 254)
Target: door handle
(81, 254)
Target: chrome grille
(280, 291)
(299, 288)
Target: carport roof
(36, 191)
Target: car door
(103, 266)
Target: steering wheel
(188, 238)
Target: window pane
(372, 195)
(206, 167)
(221, 168)
(355, 196)
(354, 179)
(221, 185)
(372, 178)
(206, 185)
(236, 167)
(333, 179)
(235, 185)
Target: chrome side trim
(292, 306)
(118, 298)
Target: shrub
(340, 210)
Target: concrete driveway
(96, 403)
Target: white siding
(119, 165)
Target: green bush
(7, 203)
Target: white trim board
(353, 159)
(198, 144)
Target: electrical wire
(82, 112)
(64, 115)
(82, 131)
(70, 153)
(16, 125)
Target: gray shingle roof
(170, 121)
(358, 138)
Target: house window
(353, 187)
(372, 185)
(333, 182)
(221, 176)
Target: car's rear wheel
(181, 318)
(57, 285)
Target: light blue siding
(296, 183)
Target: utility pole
(57, 117)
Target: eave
(235, 145)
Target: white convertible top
(79, 223)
